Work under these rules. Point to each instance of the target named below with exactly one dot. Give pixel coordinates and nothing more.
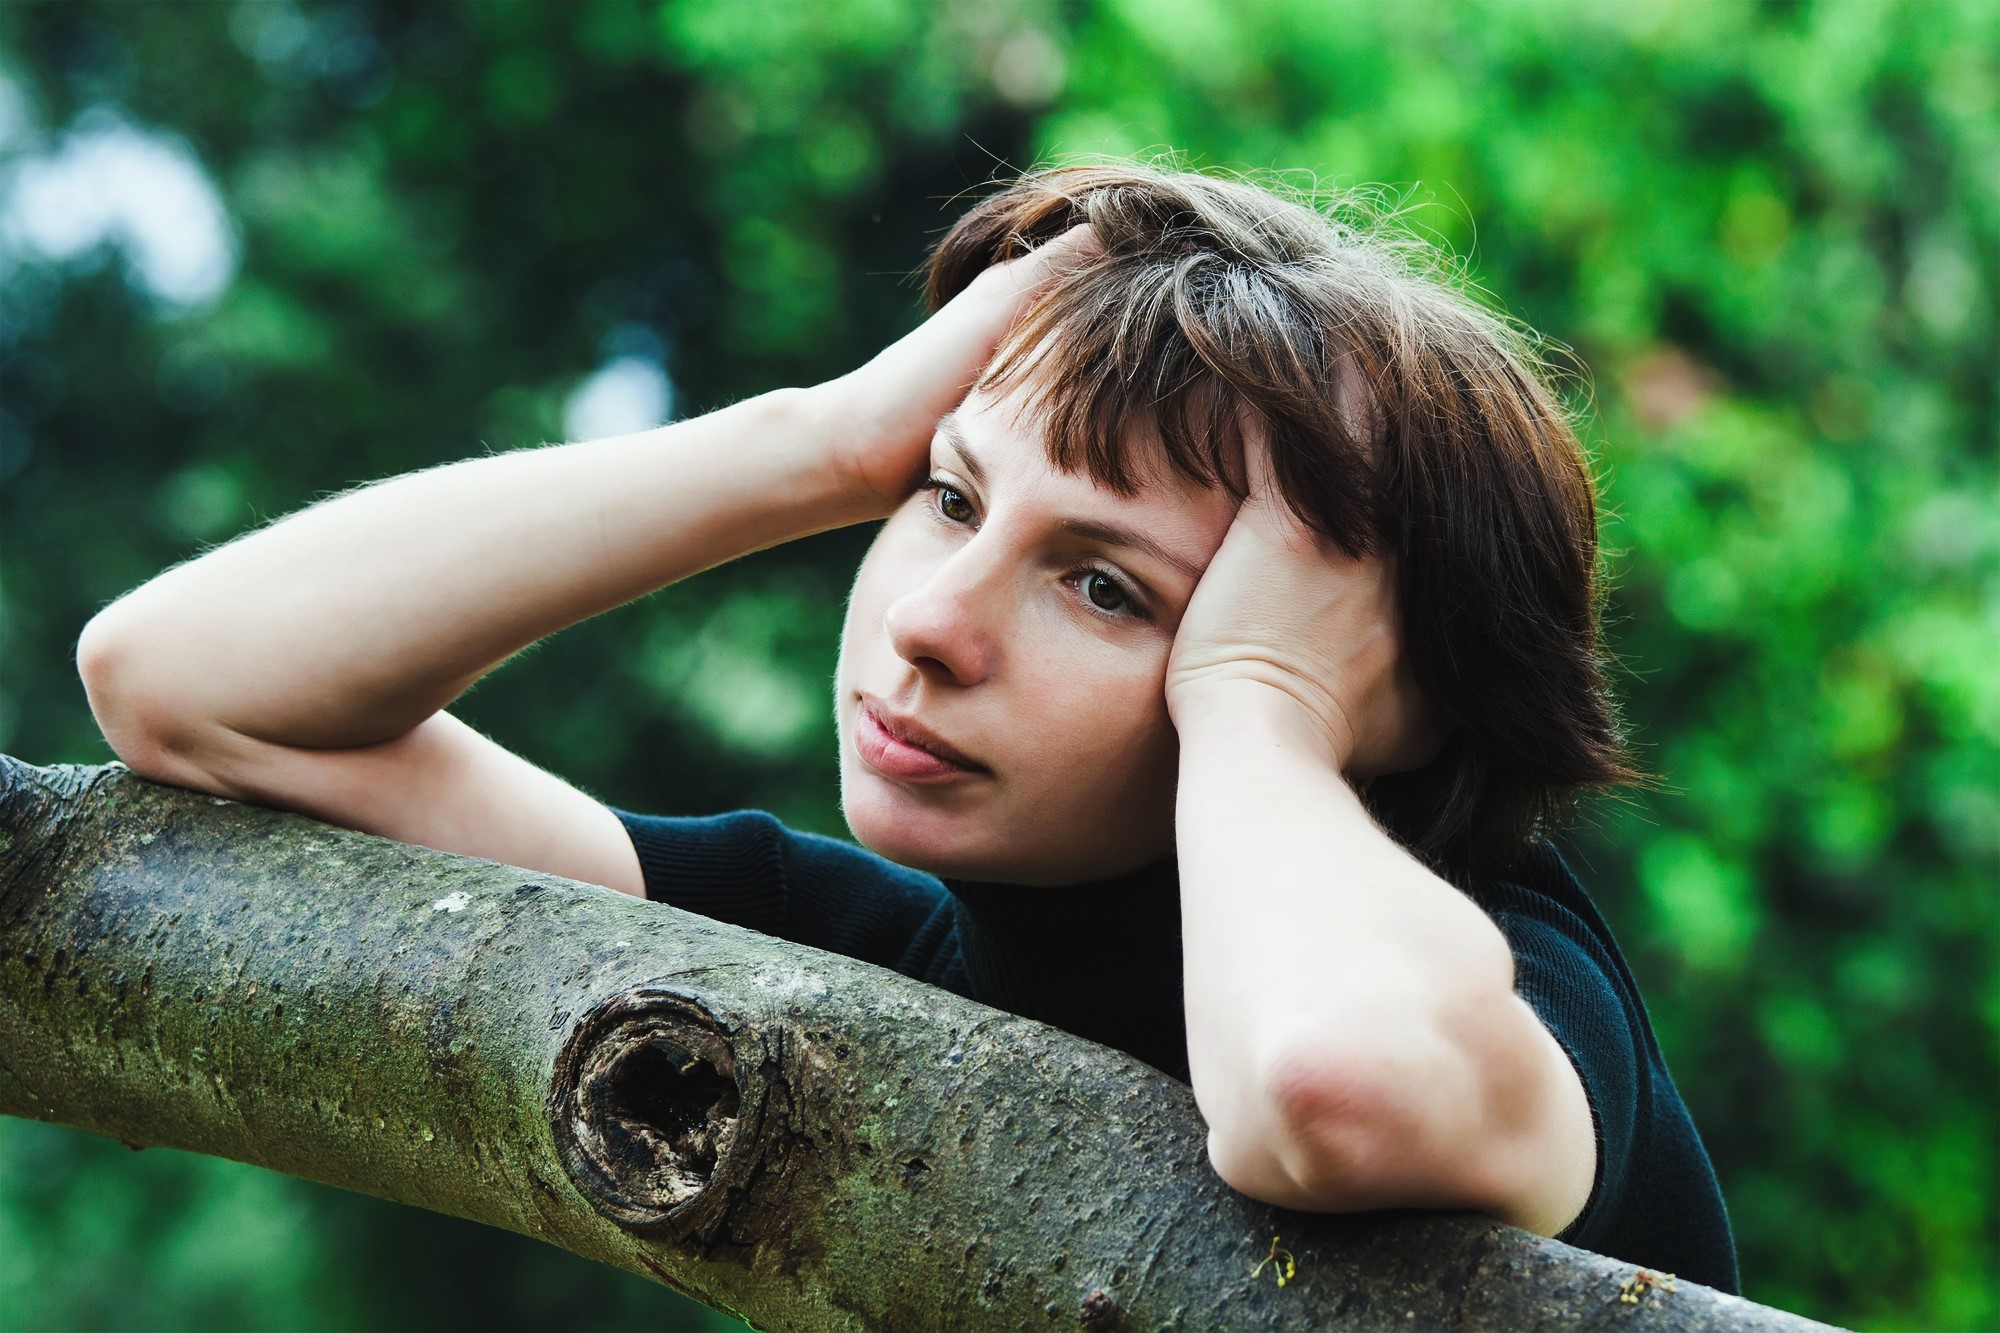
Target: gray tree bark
(805, 1141)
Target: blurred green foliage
(1770, 231)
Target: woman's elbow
(105, 662)
(1369, 1107)
(110, 661)
(1321, 1136)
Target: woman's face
(1019, 618)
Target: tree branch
(803, 1140)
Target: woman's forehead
(1000, 441)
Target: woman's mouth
(902, 756)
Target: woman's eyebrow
(1089, 529)
(953, 436)
(1112, 534)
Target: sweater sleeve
(748, 869)
(1579, 1005)
(1655, 1200)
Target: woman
(1254, 573)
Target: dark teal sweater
(1103, 960)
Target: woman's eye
(953, 505)
(1104, 592)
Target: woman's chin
(936, 842)
(932, 853)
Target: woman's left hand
(1281, 608)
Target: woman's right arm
(307, 664)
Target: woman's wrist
(820, 440)
(870, 464)
(1241, 710)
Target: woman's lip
(891, 756)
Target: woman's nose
(948, 626)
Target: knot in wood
(649, 1106)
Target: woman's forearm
(1347, 1010)
(352, 621)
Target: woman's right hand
(881, 416)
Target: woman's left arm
(1354, 1036)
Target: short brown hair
(1215, 296)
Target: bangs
(1102, 360)
(1141, 359)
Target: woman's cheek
(894, 562)
(1107, 747)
